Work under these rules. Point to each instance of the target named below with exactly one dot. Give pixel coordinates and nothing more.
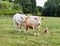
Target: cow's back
(32, 20)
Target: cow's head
(38, 20)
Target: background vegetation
(50, 8)
(9, 8)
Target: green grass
(9, 37)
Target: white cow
(33, 22)
(18, 20)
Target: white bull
(18, 20)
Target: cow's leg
(22, 28)
(34, 30)
(16, 26)
(31, 31)
(38, 33)
(37, 30)
(19, 28)
(25, 29)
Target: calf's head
(38, 20)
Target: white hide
(18, 19)
(35, 22)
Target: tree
(39, 10)
(58, 10)
(34, 8)
(51, 8)
(26, 6)
(29, 6)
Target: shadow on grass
(20, 33)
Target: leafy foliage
(51, 7)
(9, 8)
(39, 10)
(29, 6)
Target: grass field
(9, 37)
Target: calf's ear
(35, 18)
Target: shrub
(9, 8)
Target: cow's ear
(42, 18)
(35, 18)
